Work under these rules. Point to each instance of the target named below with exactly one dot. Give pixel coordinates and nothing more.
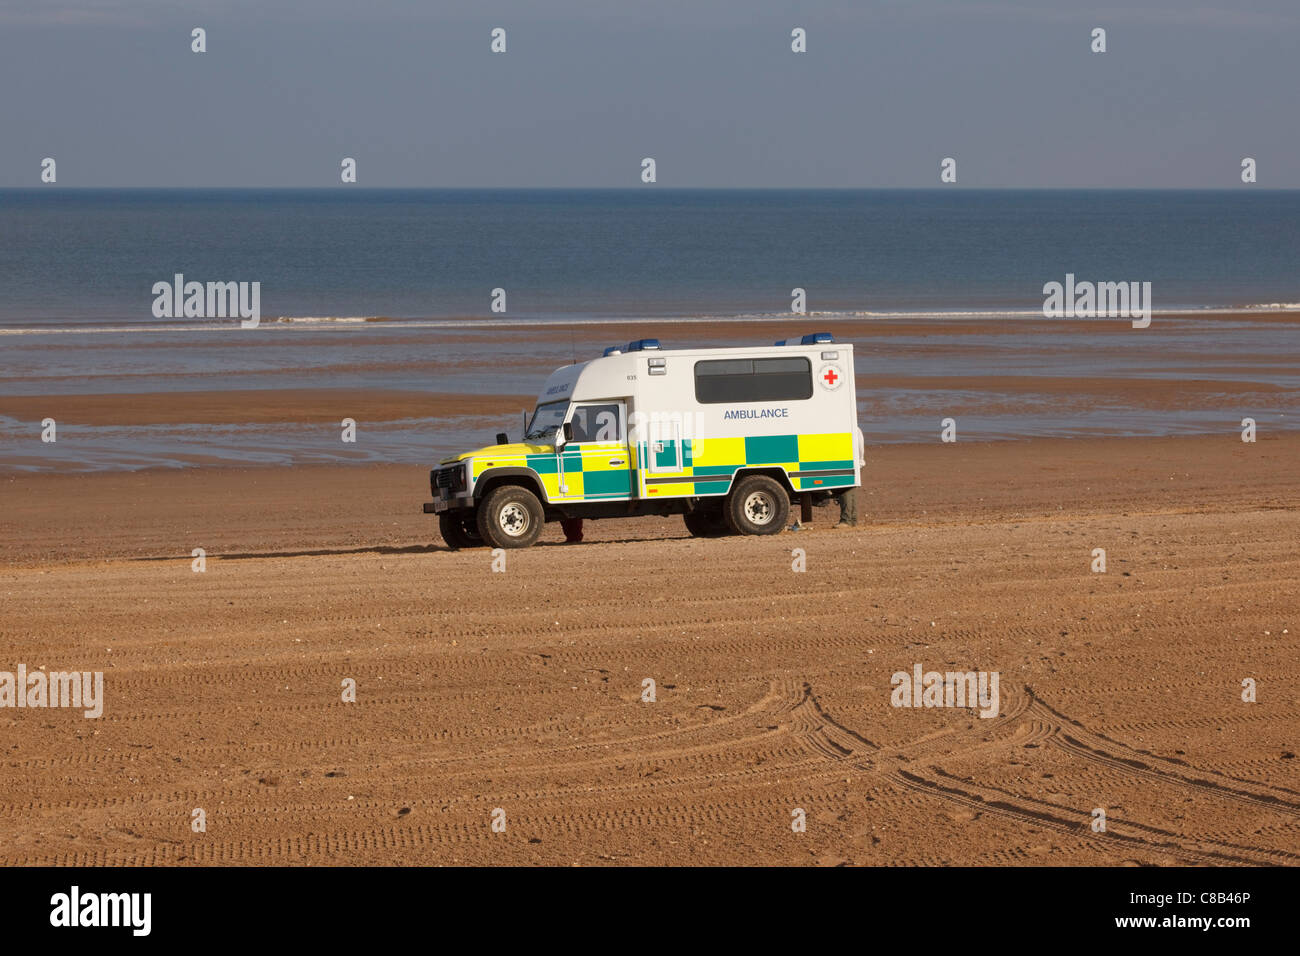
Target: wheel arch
(772, 471)
(494, 478)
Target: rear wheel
(459, 529)
(510, 517)
(758, 505)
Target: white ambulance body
(724, 436)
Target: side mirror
(503, 438)
(567, 431)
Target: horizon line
(350, 187)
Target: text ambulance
(725, 437)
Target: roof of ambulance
(715, 350)
(622, 359)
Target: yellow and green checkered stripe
(588, 475)
(812, 462)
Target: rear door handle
(617, 461)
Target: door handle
(617, 461)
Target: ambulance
(725, 437)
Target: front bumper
(440, 504)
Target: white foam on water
(544, 321)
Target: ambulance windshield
(546, 420)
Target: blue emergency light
(812, 338)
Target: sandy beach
(523, 691)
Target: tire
(757, 505)
(459, 529)
(510, 517)
(706, 522)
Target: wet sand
(255, 406)
(419, 392)
(523, 690)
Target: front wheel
(510, 517)
(758, 505)
(459, 529)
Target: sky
(709, 88)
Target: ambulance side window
(596, 423)
(753, 380)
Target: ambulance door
(596, 463)
(665, 458)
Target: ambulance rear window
(753, 380)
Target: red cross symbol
(830, 378)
